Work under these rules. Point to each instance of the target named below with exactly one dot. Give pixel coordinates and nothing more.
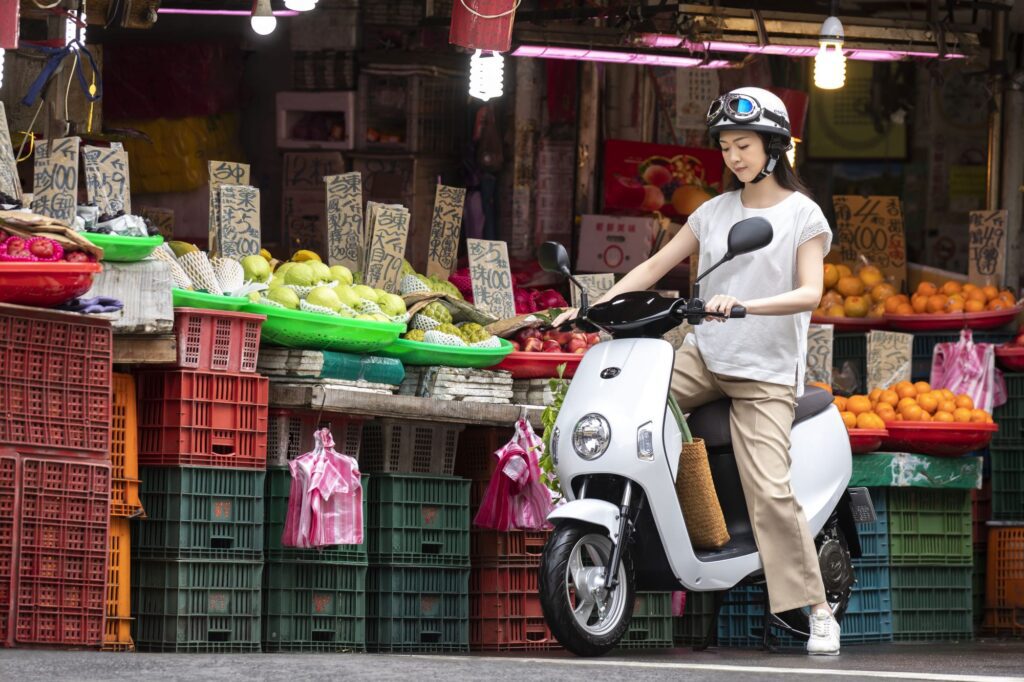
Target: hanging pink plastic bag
(967, 367)
(516, 497)
(325, 503)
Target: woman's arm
(645, 275)
(810, 257)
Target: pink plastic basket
(217, 341)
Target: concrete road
(985, 661)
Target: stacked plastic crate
(55, 487)
(418, 538)
(198, 556)
(313, 599)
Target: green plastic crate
(651, 625)
(314, 606)
(929, 527)
(1010, 435)
(692, 627)
(200, 512)
(187, 605)
(852, 348)
(1007, 483)
(418, 520)
(417, 609)
(932, 603)
(278, 488)
(978, 583)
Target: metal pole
(1012, 175)
(995, 119)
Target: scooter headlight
(591, 436)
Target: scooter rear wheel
(582, 615)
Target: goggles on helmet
(741, 109)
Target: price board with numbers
(222, 173)
(872, 228)
(107, 180)
(444, 230)
(239, 233)
(389, 231)
(55, 189)
(492, 277)
(986, 263)
(345, 238)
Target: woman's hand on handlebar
(568, 316)
(722, 305)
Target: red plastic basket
(217, 341)
(866, 440)
(8, 502)
(475, 458)
(1010, 358)
(940, 439)
(191, 418)
(512, 548)
(55, 377)
(45, 284)
(988, 319)
(510, 634)
(525, 365)
(504, 610)
(290, 434)
(851, 324)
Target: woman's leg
(692, 384)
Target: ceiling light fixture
(616, 57)
(263, 21)
(830, 62)
(486, 75)
(300, 5)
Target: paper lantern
(483, 24)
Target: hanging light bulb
(300, 5)
(830, 62)
(263, 20)
(486, 75)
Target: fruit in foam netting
(324, 297)
(391, 304)
(284, 296)
(340, 274)
(347, 295)
(256, 269)
(300, 275)
(366, 293)
(321, 273)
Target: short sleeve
(816, 224)
(698, 219)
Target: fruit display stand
(429, 354)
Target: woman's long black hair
(784, 174)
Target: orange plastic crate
(118, 636)
(1004, 588)
(124, 450)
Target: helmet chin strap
(768, 169)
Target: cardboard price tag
(222, 173)
(987, 258)
(10, 184)
(239, 233)
(106, 178)
(163, 218)
(492, 277)
(889, 358)
(345, 239)
(819, 353)
(444, 231)
(596, 286)
(389, 232)
(872, 227)
(55, 188)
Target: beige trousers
(760, 422)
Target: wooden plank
(145, 289)
(332, 399)
(145, 349)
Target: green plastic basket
(124, 249)
(422, 353)
(314, 331)
(200, 299)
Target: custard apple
(473, 333)
(444, 339)
(411, 285)
(437, 311)
(415, 334)
(446, 287)
(424, 323)
(449, 328)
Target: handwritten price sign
(444, 230)
(873, 227)
(345, 220)
(387, 246)
(889, 358)
(106, 178)
(222, 173)
(492, 277)
(987, 257)
(596, 286)
(9, 182)
(239, 234)
(55, 189)
(819, 353)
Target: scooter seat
(711, 421)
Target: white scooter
(616, 447)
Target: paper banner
(444, 231)
(986, 263)
(389, 232)
(239, 233)
(106, 178)
(55, 189)
(163, 218)
(596, 286)
(345, 239)
(10, 183)
(872, 227)
(889, 358)
(222, 173)
(819, 353)
(492, 277)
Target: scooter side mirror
(554, 258)
(748, 235)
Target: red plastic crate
(217, 341)
(510, 634)
(8, 503)
(124, 450)
(475, 458)
(55, 380)
(191, 418)
(516, 547)
(290, 434)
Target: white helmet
(749, 109)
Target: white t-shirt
(770, 348)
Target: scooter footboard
(595, 512)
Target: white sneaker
(824, 640)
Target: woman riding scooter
(761, 369)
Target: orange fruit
(906, 390)
(961, 414)
(831, 297)
(889, 397)
(919, 302)
(840, 402)
(858, 404)
(836, 310)
(950, 287)
(927, 289)
(877, 311)
(997, 304)
(831, 275)
(928, 403)
(857, 306)
(974, 294)
(871, 276)
(979, 416)
(894, 302)
(990, 292)
(973, 305)
(947, 394)
(882, 292)
(905, 309)
(964, 401)
(955, 304)
(969, 287)
(866, 420)
(1007, 297)
(943, 416)
(875, 394)
(947, 406)
(904, 402)
(922, 386)
(937, 303)
(850, 286)
(925, 417)
(844, 270)
(885, 412)
(850, 419)
(912, 413)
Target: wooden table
(145, 349)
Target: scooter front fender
(595, 512)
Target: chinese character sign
(987, 257)
(106, 179)
(873, 227)
(596, 286)
(9, 182)
(444, 230)
(819, 353)
(345, 220)
(239, 221)
(889, 358)
(387, 247)
(55, 189)
(492, 277)
(222, 173)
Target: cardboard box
(614, 243)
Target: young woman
(761, 366)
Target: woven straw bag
(695, 490)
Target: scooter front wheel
(584, 616)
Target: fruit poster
(106, 178)
(222, 173)
(345, 239)
(596, 286)
(9, 182)
(889, 358)
(389, 230)
(819, 353)
(239, 233)
(492, 277)
(639, 176)
(55, 187)
(444, 230)
(986, 261)
(872, 228)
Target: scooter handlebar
(738, 311)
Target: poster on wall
(657, 177)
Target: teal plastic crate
(690, 628)
(874, 537)
(932, 603)
(200, 512)
(1007, 483)
(201, 606)
(930, 527)
(651, 624)
(278, 488)
(417, 609)
(418, 520)
(868, 616)
(314, 606)
(852, 348)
